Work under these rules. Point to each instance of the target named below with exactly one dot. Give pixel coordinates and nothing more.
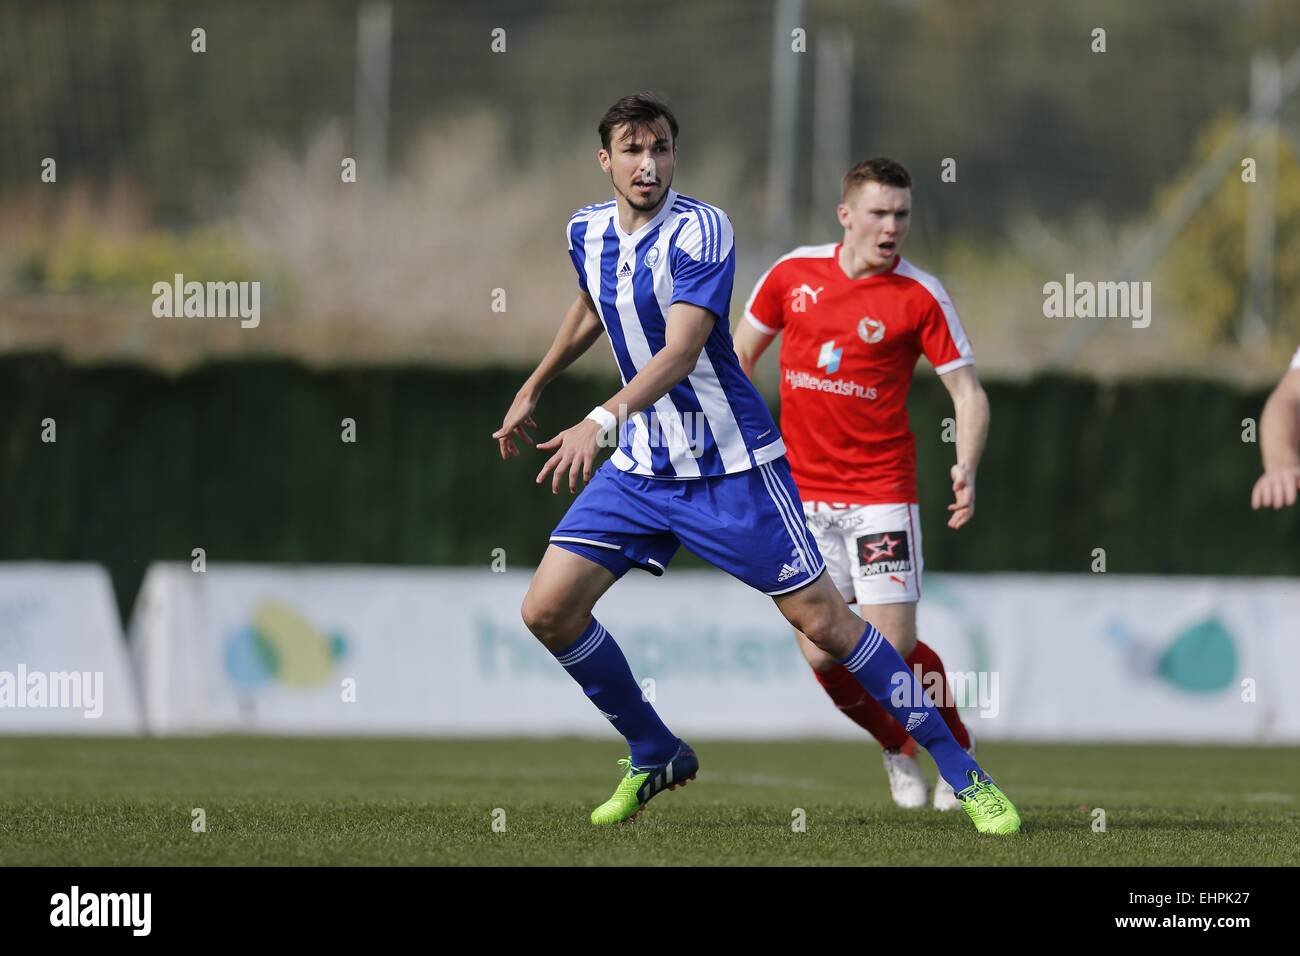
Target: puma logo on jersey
(808, 291)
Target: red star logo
(884, 548)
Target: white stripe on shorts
(598, 544)
(797, 529)
(796, 520)
(785, 519)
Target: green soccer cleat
(638, 786)
(988, 807)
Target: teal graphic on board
(1199, 659)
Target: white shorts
(872, 552)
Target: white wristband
(605, 419)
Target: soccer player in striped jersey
(855, 316)
(1279, 443)
(699, 462)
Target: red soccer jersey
(847, 356)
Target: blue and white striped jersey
(715, 422)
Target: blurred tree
(1205, 267)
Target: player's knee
(821, 626)
(544, 619)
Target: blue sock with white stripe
(595, 661)
(886, 677)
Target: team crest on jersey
(651, 257)
(870, 330)
(884, 553)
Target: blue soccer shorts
(750, 524)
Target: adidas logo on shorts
(786, 572)
(792, 567)
(915, 719)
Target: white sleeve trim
(1295, 359)
(749, 317)
(707, 235)
(955, 364)
(940, 295)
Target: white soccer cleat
(906, 783)
(944, 798)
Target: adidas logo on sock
(605, 715)
(625, 271)
(786, 572)
(915, 719)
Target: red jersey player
(855, 317)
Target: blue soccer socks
(886, 677)
(595, 661)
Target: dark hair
(880, 169)
(639, 110)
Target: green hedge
(245, 460)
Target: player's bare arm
(579, 330)
(686, 329)
(1279, 445)
(971, 410)
(751, 343)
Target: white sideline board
(64, 667)
(377, 650)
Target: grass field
(320, 801)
